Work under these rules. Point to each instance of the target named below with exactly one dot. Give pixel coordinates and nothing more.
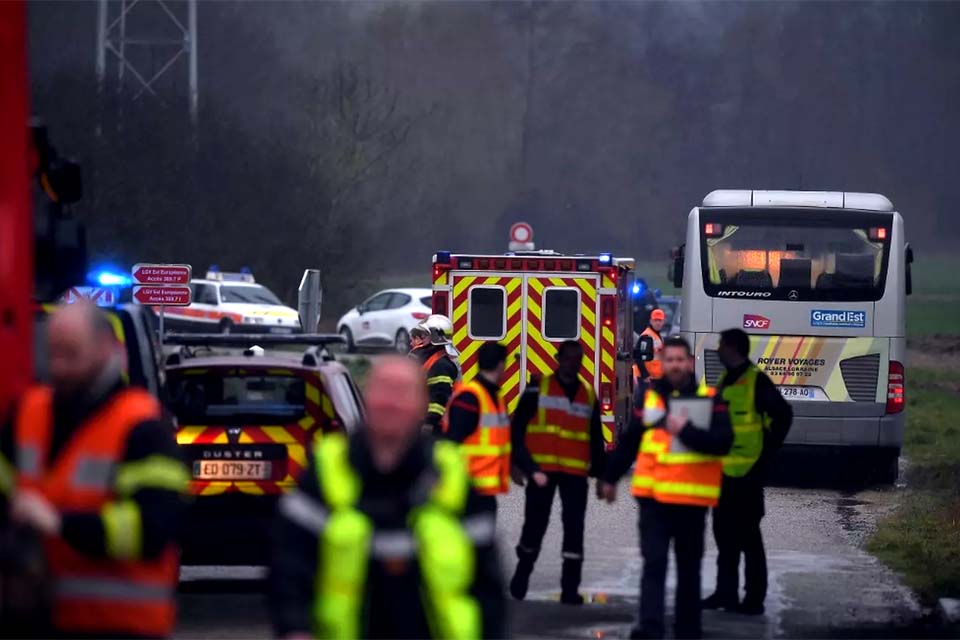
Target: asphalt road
(822, 584)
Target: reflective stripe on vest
(487, 449)
(654, 367)
(747, 423)
(688, 478)
(559, 437)
(442, 545)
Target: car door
(392, 320)
(370, 322)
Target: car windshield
(796, 257)
(248, 294)
(201, 399)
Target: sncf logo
(751, 321)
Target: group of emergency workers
(391, 531)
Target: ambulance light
(465, 263)
(606, 259)
(606, 396)
(107, 278)
(584, 265)
(443, 257)
(639, 287)
(608, 311)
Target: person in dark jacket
(556, 448)
(357, 552)
(430, 340)
(92, 466)
(762, 419)
(677, 477)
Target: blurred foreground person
(676, 436)
(557, 442)
(384, 538)
(761, 419)
(96, 475)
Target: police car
(232, 303)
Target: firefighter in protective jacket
(430, 340)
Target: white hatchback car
(385, 319)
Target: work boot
(570, 581)
(521, 577)
(718, 601)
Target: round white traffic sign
(521, 232)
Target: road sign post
(162, 285)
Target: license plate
(791, 392)
(230, 470)
(281, 330)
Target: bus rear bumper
(882, 432)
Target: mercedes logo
(793, 295)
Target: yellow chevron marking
(297, 454)
(312, 393)
(514, 308)
(536, 284)
(279, 434)
(221, 439)
(512, 284)
(588, 287)
(607, 353)
(537, 362)
(558, 282)
(461, 284)
(327, 407)
(186, 435)
(249, 488)
(214, 488)
(305, 422)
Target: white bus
(818, 280)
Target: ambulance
(531, 301)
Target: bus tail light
(606, 397)
(896, 397)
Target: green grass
(921, 539)
(933, 316)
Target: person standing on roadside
(652, 369)
(676, 478)
(557, 442)
(761, 419)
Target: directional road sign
(161, 273)
(170, 296)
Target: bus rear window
(784, 257)
(231, 399)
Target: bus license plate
(229, 470)
(791, 392)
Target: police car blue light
(106, 278)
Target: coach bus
(818, 280)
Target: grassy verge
(921, 540)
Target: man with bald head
(384, 536)
(93, 469)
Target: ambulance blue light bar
(605, 259)
(108, 278)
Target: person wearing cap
(653, 369)
(557, 443)
(430, 339)
(477, 418)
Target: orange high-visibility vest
(93, 595)
(654, 367)
(487, 450)
(674, 478)
(432, 360)
(559, 438)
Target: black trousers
(659, 524)
(736, 530)
(536, 514)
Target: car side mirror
(675, 270)
(908, 260)
(361, 309)
(643, 351)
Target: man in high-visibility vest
(557, 442)
(677, 477)
(761, 420)
(652, 369)
(477, 419)
(384, 537)
(430, 340)
(90, 464)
